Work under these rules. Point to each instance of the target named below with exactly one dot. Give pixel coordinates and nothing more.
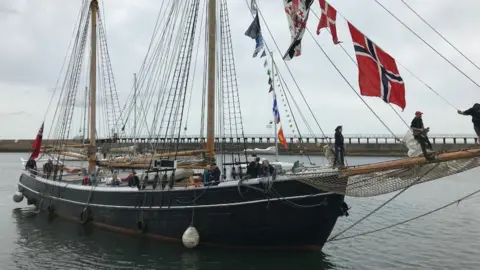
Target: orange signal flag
(281, 138)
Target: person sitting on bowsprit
(420, 134)
(474, 112)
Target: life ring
(84, 216)
(50, 209)
(141, 226)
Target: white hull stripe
(176, 207)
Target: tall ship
(167, 193)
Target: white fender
(190, 237)
(18, 197)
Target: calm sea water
(449, 239)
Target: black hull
(230, 216)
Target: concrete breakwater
(352, 147)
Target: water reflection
(43, 243)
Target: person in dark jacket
(253, 168)
(214, 175)
(339, 147)
(48, 168)
(474, 112)
(134, 181)
(31, 166)
(420, 134)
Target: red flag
(328, 18)
(37, 144)
(378, 74)
(281, 138)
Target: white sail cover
(414, 148)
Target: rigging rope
(232, 120)
(469, 196)
(404, 67)
(80, 17)
(288, 68)
(438, 33)
(351, 86)
(382, 205)
(426, 43)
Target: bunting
(328, 18)
(297, 15)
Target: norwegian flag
(328, 18)
(378, 74)
(37, 144)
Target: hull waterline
(291, 215)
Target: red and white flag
(378, 73)
(328, 18)
(37, 144)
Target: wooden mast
(92, 149)
(134, 114)
(212, 32)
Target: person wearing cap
(339, 147)
(420, 134)
(474, 112)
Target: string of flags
(254, 32)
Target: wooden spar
(402, 163)
(144, 165)
(162, 155)
(212, 32)
(72, 154)
(92, 150)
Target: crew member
(339, 147)
(474, 112)
(214, 174)
(420, 134)
(253, 168)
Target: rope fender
(85, 216)
(141, 226)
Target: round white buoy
(18, 197)
(190, 237)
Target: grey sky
(36, 36)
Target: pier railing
(269, 138)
